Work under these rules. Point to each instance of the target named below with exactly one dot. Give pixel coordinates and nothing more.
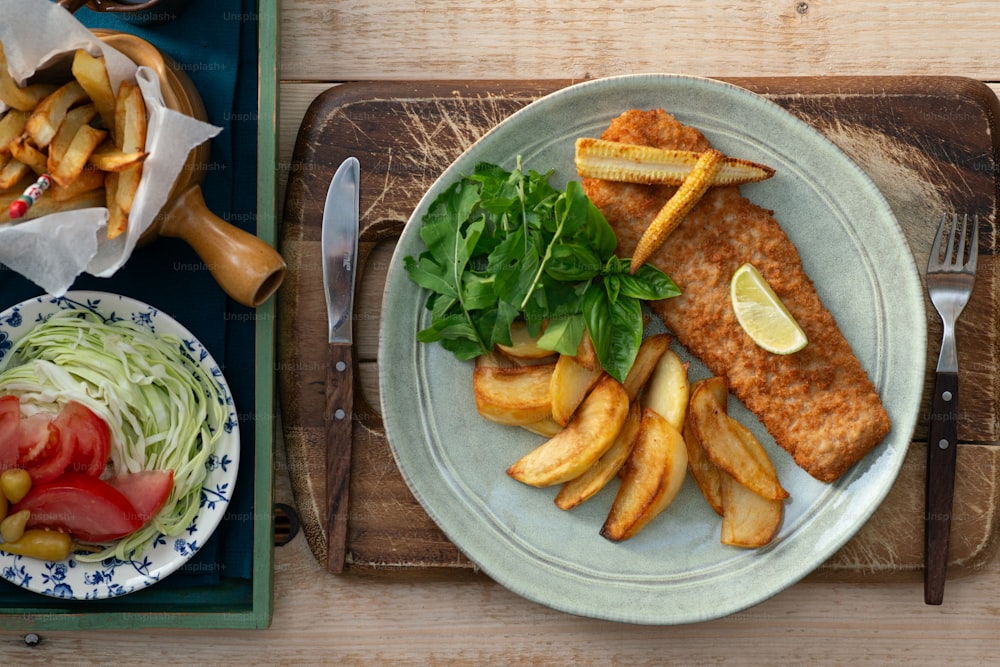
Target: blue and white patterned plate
(81, 580)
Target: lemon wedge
(762, 314)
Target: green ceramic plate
(675, 571)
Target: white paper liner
(53, 250)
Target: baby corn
(630, 163)
(678, 206)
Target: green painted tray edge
(259, 613)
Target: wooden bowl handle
(248, 269)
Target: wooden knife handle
(339, 429)
(941, 453)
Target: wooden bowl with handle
(248, 269)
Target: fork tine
(960, 257)
(973, 245)
(935, 255)
(949, 255)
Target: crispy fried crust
(818, 404)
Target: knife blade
(339, 242)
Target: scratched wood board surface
(926, 142)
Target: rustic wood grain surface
(461, 618)
(405, 133)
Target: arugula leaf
(506, 245)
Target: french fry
(117, 220)
(46, 118)
(130, 131)
(75, 159)
(23, 151)
(48, 129)
(75, 119)
(12, 173)
(48, 205)
(11, 127)
(92, 75)
(89, 179)
(586, 438)
(108, 157)
(23, 98)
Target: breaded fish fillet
(818, 404)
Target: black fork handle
(941, 456)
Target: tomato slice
(10, 431)
(43, 453)
(84, 506)
(87, 435)
(147, 490)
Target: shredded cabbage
(164, 411)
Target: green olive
(15, 484)
(41, 543)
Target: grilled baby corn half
(629, 163)
(677, 207)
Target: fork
(950, 277)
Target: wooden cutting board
(927, 143)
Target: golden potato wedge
(586, 355)
(513, 396)
(668, 390)
(46, 118)
(11, 127)
(494, 360)
(654, 474)
(585, 439)
(753, 446)
(650, 351)
(749, 520)
(546, 427)
(579, 489)
(523, 344)
(16, 97)
(571, 382)
(722, 445)
(75, 158)
(706, 474)
(92, 75)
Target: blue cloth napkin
(215, 43)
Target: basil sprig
(503, 245)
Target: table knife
(339, 241)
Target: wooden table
(463, 618)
